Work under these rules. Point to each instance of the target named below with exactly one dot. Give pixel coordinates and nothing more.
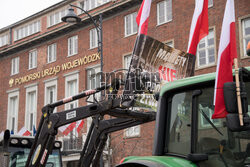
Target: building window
(126, 61)
(73, 45)
(132, 132)
(246, 33)
(208, 112)
(91, 4)
(31, 107)
(55, 18)
(27, 30)
(93, 42)
(4, 40)
(71, 89)
(130, 24)
(206, 50)
(13, 103)
(210, 3)
(94, 81)
(70, 142)
(32, 59)
(51, 53)
(164, 12)
(170, 43)
(50, 92)
(15, 66)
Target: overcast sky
(12, 11)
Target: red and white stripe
(44, 156)
(199, 25)
(24, 132)
(142, 17)
(66, 129)
(227, 52)
(89, 92)
(79, 125)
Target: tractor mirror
(230, 99)
(233, 122)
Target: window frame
(51, 18)
(11, 94)
(4, 40)
(70, 77)
(243, 45)
(132, 17)
(15, 65)
(53, 48)
(206, 126)
(30, 89)
(89, 6)
(48, 84)
(73, 46)
(198, 66)
(134, 133)
(93, 38)
(211, 3)
(126, 58)
(32, 59)
(97, 69)
(168, 43)
(164, 2)
(27, 30)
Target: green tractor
(185, 134)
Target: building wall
(115, 46)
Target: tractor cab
(185, 133)
(14, 151)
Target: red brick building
(39, 58)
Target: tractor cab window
(19, 155)
(180, 124)
(224, 148)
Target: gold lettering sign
(54, 70)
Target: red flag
(79, 125)
(24, 132)
(199, 26)
(227, 52)
(142, 17)
(66, 129)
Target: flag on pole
(142, 17)
(24, 132)
(79, 125)
(199, 25)
(66, 129)
(227, 52)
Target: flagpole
(238, 91)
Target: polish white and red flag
(66, 129)
(24, 132)
(199, 25)
(142, 17)
(227, 52)
(79, 125)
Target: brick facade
(115, 46)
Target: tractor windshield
(223, 147)
(19, 155)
